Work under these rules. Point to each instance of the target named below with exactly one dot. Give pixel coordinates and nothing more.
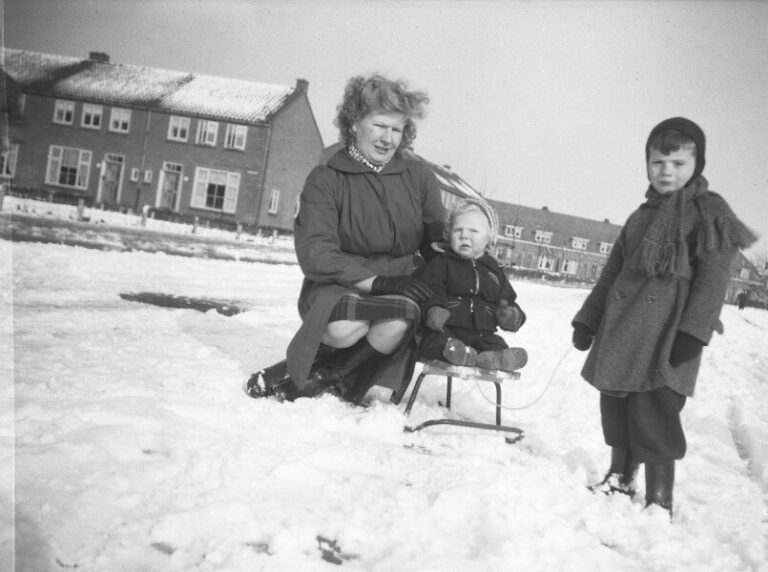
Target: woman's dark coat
(471, 289)
(354, 224)
(636, 316)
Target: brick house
(123, 136)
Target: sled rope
(538, 398)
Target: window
(235, 136)
(215, 190)
(274, 201)
(120, 120)
(92, 116)
(134, 174)
(206, 132)
(64, 112)
(605, 247)
(148, 176)
(570, 267)
(8, 162)
(68, 167)
(513, 231)
(178, 128)
(579, 243)
(543, 237)
(546, 263)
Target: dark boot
(659, 484)
(336, 378)
(620, 477)
(272, 381)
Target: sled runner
(444, 369)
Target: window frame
(543, 237)
(232, 136)
(200, 188)
(9, 159)
(96, 113)
(120, 115)
(579, 243)
(207, 132)
(606, 247)
(64, 112)
(56, 155)
(179, 123)
(273, 203)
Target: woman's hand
(407, 286)
(437, 316)
(582, 337)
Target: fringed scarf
(664, 250)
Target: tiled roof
(130, 85)
(562, 226)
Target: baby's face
(470, 234)
(669, 173)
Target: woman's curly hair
(375, 92)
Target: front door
(112, 176)
(170, 182)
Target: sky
(536, 103)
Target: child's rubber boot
(509, 359)
(659, 485)
(620, 477)
(459, 353)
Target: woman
(363, 215)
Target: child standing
(655, 307)
(472, 297)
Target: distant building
(553, 243)
(124, 136)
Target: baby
(472, 297)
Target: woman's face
(378, 135)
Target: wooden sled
(444, 369)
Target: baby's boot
(459, 353)
(509, 359)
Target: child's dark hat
(686, 127)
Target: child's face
(669, 173)
(470, 234)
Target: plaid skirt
(364, 307)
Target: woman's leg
(345, 333)
(385, 335)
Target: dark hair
(364, 95)
(665, 142)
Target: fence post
(80, 209)
(237, 235)
(195, 222)
(144, 215)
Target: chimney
(608, 221)
(301, 86)
(545, 208)
(102, 57)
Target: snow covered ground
(136, 449)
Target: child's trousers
(433, 343)
(646, 423)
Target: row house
(125, 137)
(553, 243)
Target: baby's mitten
(437, 316)
(511, 318)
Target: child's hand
(437, 316)
(685, 348)
(511, 318)
(582, 337)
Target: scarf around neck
(357, 155)
(664, 249)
